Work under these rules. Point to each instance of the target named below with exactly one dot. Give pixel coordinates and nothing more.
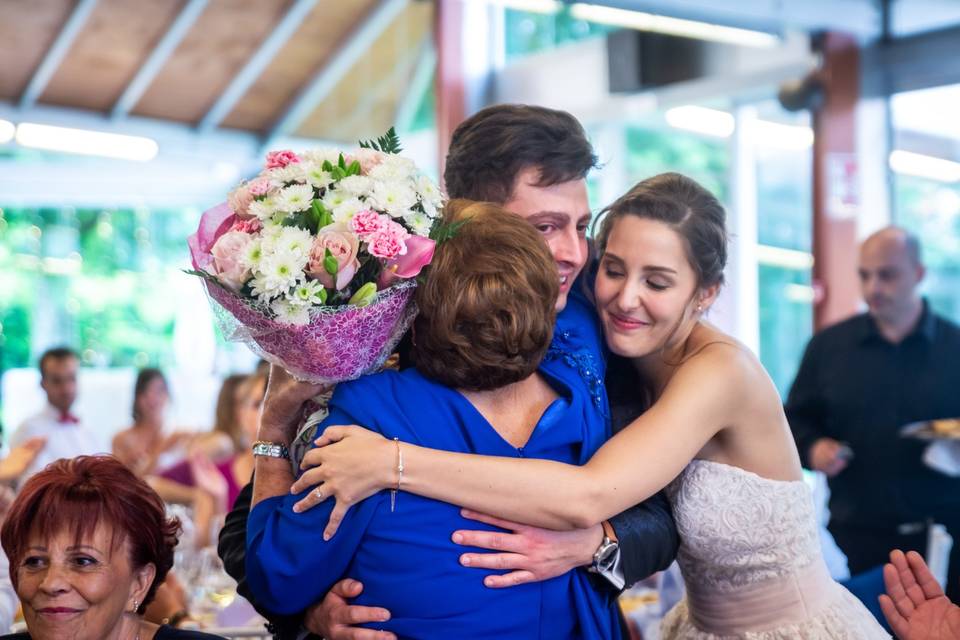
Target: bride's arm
(636, 463)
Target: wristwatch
(607, 553)
(270, 449)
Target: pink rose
(277, 159)
(259, 186)
(228, 263)
(369, 158)
(240, 199)
(251, 225)
(365, 222)
(343, 246)
(388, 243)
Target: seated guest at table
(915, 605)
(225, 478)
(66, 435)
(487, 310)
(144, 447)
(227, 438)
(89, 543)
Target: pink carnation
(259, 187)
(277, 159)
(388, 243)
(250, 226)
(365, 222)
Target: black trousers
(867, 548)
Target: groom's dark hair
(490, 148)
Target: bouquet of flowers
(313, 262)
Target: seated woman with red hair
(89, 544)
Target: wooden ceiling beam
(158, 57)
(55, 54)
(290, 22)
(346, 55)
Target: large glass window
(784, 238)
(931, 210)
(104, 281)
(528, 32)
(926, 186)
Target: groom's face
(562, 214)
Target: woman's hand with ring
(349, 464)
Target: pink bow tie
(68, 418)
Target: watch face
(606, 555)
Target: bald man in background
(859, 383)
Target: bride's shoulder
(723, 361)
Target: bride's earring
(136, 605)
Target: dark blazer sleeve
(648, 538)
(805, 405)
(232, 549)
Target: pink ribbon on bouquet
(214, 222)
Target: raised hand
(334, 617)
(283, 405)
(914, 604)
(13, 466)
(530, 554)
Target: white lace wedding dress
(750, 558)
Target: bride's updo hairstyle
(487, 306)
(687, 208)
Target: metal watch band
(270, 450)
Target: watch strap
(270, 449)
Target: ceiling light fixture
(87, 142)
(673, 26)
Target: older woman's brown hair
(487, 307)
(84, 492)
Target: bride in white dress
(714, 434)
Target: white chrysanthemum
(430, 195)
(293, 172)
(394, 168)
(272, 228)
(356, 185)
(395, 197)
(334, 198)
(263, 209)
(306, 294)
(291, 313)
(252, 254)
(419, 223)
(345, 211)
(316, 177)
(260, 290)
(296, 197)
(280, 272)
(294, 241)
(317, 156)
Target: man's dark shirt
(856, 387)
